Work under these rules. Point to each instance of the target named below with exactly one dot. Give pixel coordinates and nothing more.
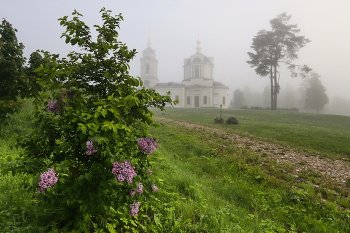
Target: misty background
(225, 28)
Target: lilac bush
(147, 145)
(48, 179)
(92, 96)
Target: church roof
(219, 84)
(172, 84)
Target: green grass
(231, 191)
(328, 135)
(206, 183)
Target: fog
(225, 28)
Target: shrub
(232, 121)
(219, 120)
(90, 146)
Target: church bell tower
(149, 65)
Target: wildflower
(123, 171)
(154, 188)
(134, 208)
(90, 147)
(147, 145)
(48, 179)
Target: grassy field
(328, 135)
(208, 186)
(230, 192)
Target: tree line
(310, 96)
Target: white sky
(225, 27)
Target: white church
(197, 89)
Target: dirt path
(337, 171)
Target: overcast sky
(225, 28)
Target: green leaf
(104, 112)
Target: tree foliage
(315, 95)
(238, 99)
(36, 59)
(12, 79)
(279, 45)
(90, 120)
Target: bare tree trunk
(272, 89)
(276, 88)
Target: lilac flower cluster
(90, 147)
(53, 106)
(154, 188)
(139, 190)
(48, 179)
(149, 171)
(134, 208)
(147, 145)
(124, 171)
(56, 106)
(67, 93)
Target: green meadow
(207, 184)
(328, 135)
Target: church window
(177, 97)
(205, 101)
(197, 59)
(215, 100)
(223, 100)
(196, 72)
(147, 68)
(188, 99)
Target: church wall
(175, 93)
(220, 97)
(207, 71)
(187, 71)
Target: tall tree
(315, 95)
(12, 79)
(238, 99)
(280, 45)
(35, 60)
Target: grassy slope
(327, 134)
(230, 190)
(206, 190)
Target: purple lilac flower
(139, 188)
(147, 145)
(66, 93)
(123, 171)
(53, 106)
(90, 147)
(132, 192)
(134, 208)
(48, 179)
(154, 188)
(149, 172)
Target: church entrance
(196, 101)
